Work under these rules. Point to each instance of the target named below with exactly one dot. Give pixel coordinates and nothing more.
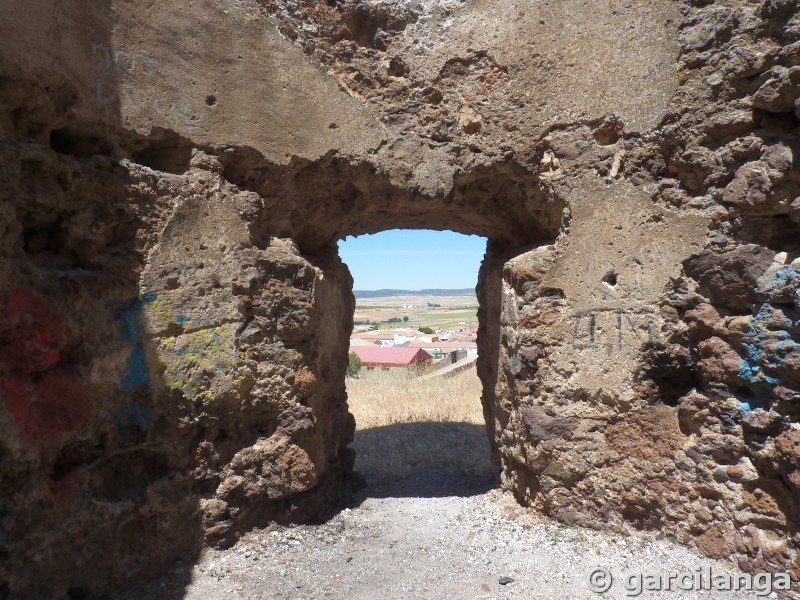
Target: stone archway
(174, 313)
(251, 326)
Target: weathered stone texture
(174, 317)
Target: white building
(402, 341)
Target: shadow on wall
(429, 460)
(92, 453)
(96, 488)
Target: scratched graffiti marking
(120, 78)
(110, 66)
(611, 328)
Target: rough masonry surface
(174, 316)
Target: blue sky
(413, 259)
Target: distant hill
(390, 293)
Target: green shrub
(354, 365)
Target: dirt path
(473, 544)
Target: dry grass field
(407, 426)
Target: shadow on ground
(405, 460)
(423, 460)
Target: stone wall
(175, 318)
(653, 384)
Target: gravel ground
(474, 544)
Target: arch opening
(318, 204)
(412, 380)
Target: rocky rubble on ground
(481, 546)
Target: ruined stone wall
(152, 405)
(174, 318)
(652, 384)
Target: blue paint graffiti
(134, 415)
(784, 286)
(769, 337)
(131, 416)
(137, 374)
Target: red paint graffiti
(37, 387)
(66, 490)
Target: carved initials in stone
(608, 327)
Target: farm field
(451, 310)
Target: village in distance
(428, 333)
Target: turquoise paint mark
(785, 283)
(137, 374)
(134, 415)
(131, 417)
(130, 322)
(749, 372)
(181, 319)
(745, 406)
(769, 338)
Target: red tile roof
(390, 357)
